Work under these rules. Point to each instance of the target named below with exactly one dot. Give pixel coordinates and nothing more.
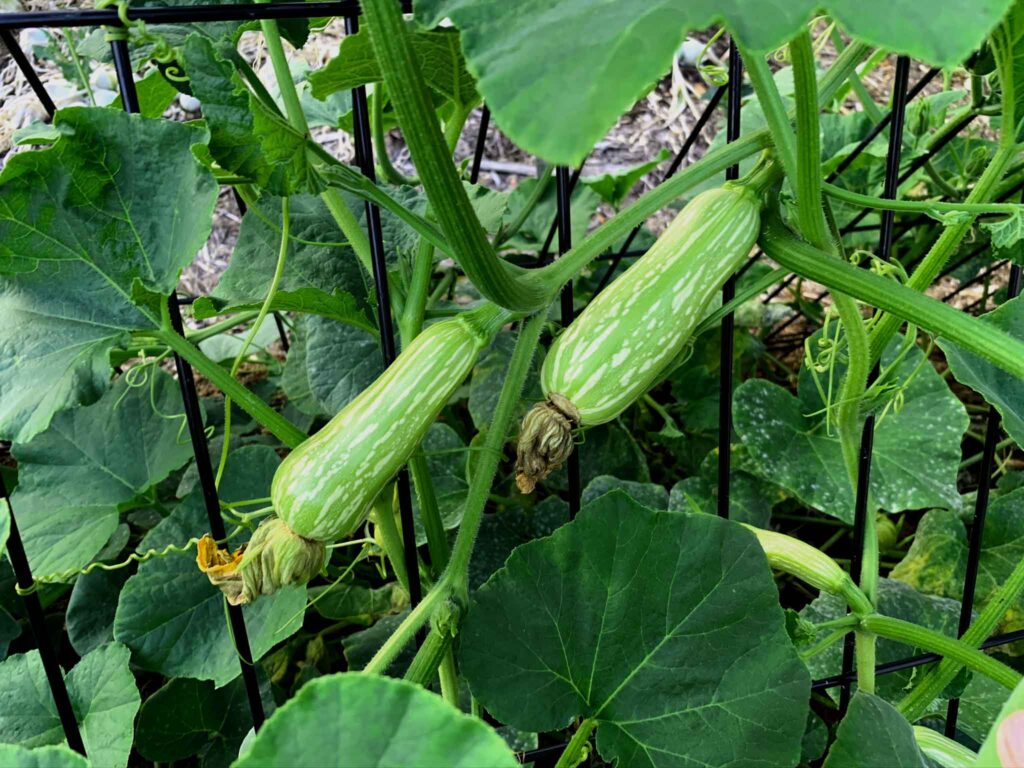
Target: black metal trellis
(564, 191)
(10, 23)
(728, 326)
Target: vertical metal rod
(564, 191)
(542, 257)
(988, 456)
(11, 42)
(364, 158)
(190, 398)
(695, 132)
(37, 621)
(728, 294)
(867, 437)
(860, 516)
(481, 140)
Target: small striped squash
(324, 488)
(624, 341)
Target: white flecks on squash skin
(324, 488)
(621, 343)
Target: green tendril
(62, 577)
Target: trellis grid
(12, 23)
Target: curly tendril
(62, 577)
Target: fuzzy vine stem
(940, 319)
(244, 398)
(390, 538)
(918, 206)
(935, 642)
(575, 752)
(268, 300)
(454, 582)
(915, 703)
(945, 752)
(779, 124)
(497, 280)
(808, 145)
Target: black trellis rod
(11, 42)
(725, 353)
(563, 188)
(861, 502)
(570, 187)
(695, 132)
(190, 398)
(988, 456)
(364, 158)
(481, 141)
(37, 621)
(860, 516)
(182, 14)
(882, 124)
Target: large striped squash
(624, 341)
(324, 488)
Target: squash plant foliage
(643, 631)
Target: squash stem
(575, 752)
(497, 280)
(935, 642)
(457, 573)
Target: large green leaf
(437, 52)
(91, 609)
(321, 273)
(90, 228)
(246, 136)
(74, 475)
(59, 756)
(558, 74)
(937, 561)
(1001, 389)
(188, 717)
(751, 498)
(916, 455)
(170, 615)
(874, 735)
(103, 696)
(329, 365)
(663, 627)
(502, 532)
(374, 721)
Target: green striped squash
(622, 342)
(635, 329)
(323, 490)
